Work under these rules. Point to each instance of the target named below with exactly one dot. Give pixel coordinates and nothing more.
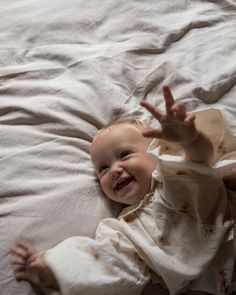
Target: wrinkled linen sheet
(69, 67)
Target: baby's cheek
(102, 185)
(106, 187)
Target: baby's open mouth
(123, 183)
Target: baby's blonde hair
(141, 125)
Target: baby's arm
(179, 127)
(86, 266)
(31, 266)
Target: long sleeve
(106, 265)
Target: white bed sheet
(69, 67)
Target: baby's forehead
(117, 130)
(121, 134)
(124, 124)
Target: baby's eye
(102, 168)
(125, 153)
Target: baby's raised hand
(31, 266)
(176, 125)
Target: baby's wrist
(191, 141)
(200, 149)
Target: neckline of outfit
(133, 208)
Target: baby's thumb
(152, 133)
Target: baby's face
(123, 166)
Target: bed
(67, 68)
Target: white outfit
(180, 235)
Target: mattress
(67, 68)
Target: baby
(175, 229)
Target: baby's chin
(135, 201)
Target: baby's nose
(116, 171)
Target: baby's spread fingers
(32, 258)
(152, 133)
(27, 247)
(23, 245)
(18, 251)
(154, 111)
(21, 275)
(189, 120)
(169, 100)
(179, 110)
(17, 260)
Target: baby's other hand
(176, 125)
(31, 267)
